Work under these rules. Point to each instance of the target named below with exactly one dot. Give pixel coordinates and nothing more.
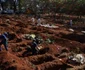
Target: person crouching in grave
(34, 44)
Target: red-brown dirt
(16, 58)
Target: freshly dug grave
(75, 37)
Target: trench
(75, 37)
(12, 36)
(36, 60)
(54, 65)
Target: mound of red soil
(9, 61)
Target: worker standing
(4, 40)
(33, 20)
(71, 22)
(33, 46)
(38, 21)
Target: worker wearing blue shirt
(4, 40)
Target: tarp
(49, 26)
(79, 58)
